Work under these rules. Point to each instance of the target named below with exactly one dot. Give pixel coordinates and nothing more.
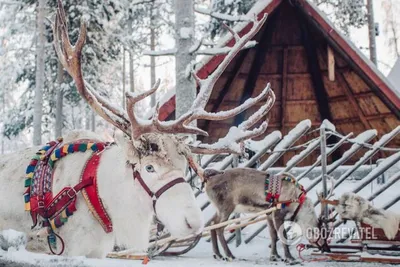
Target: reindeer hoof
(229, 259)
(218, 257)
(292, 261)
(275, 258)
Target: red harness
(66, 198)
(91, 193)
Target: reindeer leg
(278, 221)
(274, 256)
(220, 232)
(214, 239)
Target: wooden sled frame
(160, 246)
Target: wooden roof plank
(352, 100)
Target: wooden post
(331, 64)
(324, 210)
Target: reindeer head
(154, 151)
(351, 207)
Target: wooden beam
(316, 77)
(284, 89)
(368, 118)
(353, 101)
(339, 98)
(379, 116)
(366, 94)
(259, 58)
(356, 96)
(331, 64)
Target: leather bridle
(155, 196)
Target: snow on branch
(169, 52)
(253, 119)
(222, 50)
(196, 46)
(221, 16)
(207, 85)
(231, 143)
(138, 2)
(223, 115)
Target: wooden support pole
(331, 64)
(324, 212)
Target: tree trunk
(3, 111)
(131, 73)
(184, 27)
(123, 77)
(152, 58)
(59, 101)
(39, 81)
(371, 31)
(93, 122)
(88, 116)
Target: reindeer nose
(188, 224)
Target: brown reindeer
(243, 190)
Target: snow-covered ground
(252, 254)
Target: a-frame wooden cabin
(315, 72)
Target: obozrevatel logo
(290, 233)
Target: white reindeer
(351, 206)
(153, 150)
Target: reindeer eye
(150, 168)
(153, 147)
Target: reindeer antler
(70, 58)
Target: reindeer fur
(353, 207)
(242, 190)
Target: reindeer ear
(127, 147)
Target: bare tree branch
(221, 16)
(223, 50)
(169, 52)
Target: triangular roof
(208, 64)
(292, 54)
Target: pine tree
(101, 50)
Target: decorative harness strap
(91, 193)
(273, 185)
(38, 196)
(155, 196)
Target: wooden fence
(274, 146)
